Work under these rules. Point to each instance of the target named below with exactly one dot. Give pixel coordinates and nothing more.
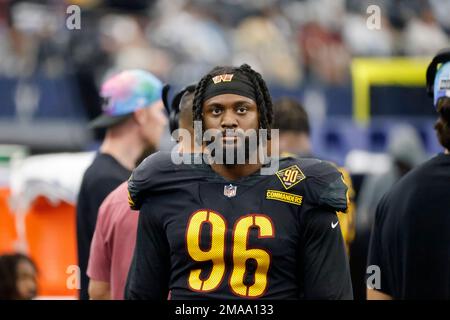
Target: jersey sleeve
(148, 278)
(327, 188)
(325, 268)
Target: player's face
(229, 113)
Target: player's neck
(237, 171)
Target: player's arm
(99, 290)
(325, 272)
(148, 278)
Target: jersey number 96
(240, 253)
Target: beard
(240, 150)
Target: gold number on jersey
(241, 253)
(215, 253)
(290, 176)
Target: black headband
(236, 83)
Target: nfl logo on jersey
(229, 190)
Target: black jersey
(262, 236)
(410, 240)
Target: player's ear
(140, 116)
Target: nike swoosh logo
(333, 225)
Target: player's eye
(241, 109)
(216, 111)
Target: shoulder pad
(327, 186)
(145, 177)
(160, 173)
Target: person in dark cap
(134, 118)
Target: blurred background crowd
(50, 75)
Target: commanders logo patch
(223, 78)
(284, 196)
(290, 176)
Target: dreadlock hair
(263, 99)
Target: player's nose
(229, 120)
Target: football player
(226, 230)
